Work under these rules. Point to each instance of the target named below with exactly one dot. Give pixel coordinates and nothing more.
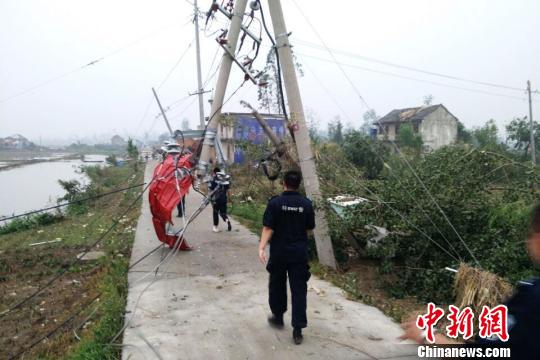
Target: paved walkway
(211, 303)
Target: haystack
(475, 288)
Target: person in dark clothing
(219, 200)
(181, 207)
(523, 324)
(286, 222)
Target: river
(33, 186)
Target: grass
(80, 226)
(249, 214)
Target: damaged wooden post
(281, 147)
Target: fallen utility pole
(531, 124)
(281, 146)
(221, 86)
(163, 113)
(303, 142)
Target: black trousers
(219, 209)
(277, 296)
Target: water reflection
(34, 186)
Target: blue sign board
(248, 129)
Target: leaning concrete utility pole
(303, 143)
(221, 86)
(533, 147)
(200, 90)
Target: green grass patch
(249, 214)
(30, 222)
(110, 314)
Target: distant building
(243, 126)
(435, 124)
(117, 140)
(15, 142)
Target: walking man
(286, 223)
(219, 200)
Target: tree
(335, 130)
(132, 150)
(519, 134)
(406, 137)
(365, 153)
(111, 160)
(486, 136)
(428, 100)
(269, 96)
(463, 134)
(314, 131)
(370, 118)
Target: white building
(435, 124)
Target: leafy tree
(111, 159)
(463, 134)
(365, 153)
(519, 134)
(132, 150)
(486, 136)
(370, 118)
(133, 153)
(269, 96)
(407, 138)
(484, 194)
(428, 100)
(335, 130)
(314, 131)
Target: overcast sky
(493, 41)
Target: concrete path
(211, 303)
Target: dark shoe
(297, 336)
(229, 226)
(276, 321)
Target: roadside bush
(485, 195)
(29, 222)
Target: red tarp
(167, 188)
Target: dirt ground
(363, 282)
(26, 272)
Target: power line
(405, 67)
(165, 78)
(175, 66)
(395, 211)
(414, 79)
(58, 327)
(376, 152)
(70, 202)
(314, 29)
(91, 63)
(392, 142)
(78, 258)
(80, 310)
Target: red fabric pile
(170, 182)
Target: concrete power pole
(200, 90)
(533, 147)
(221, 86)
(303, 143)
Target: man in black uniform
(286, 222)
(523, 323)
(219, 201)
